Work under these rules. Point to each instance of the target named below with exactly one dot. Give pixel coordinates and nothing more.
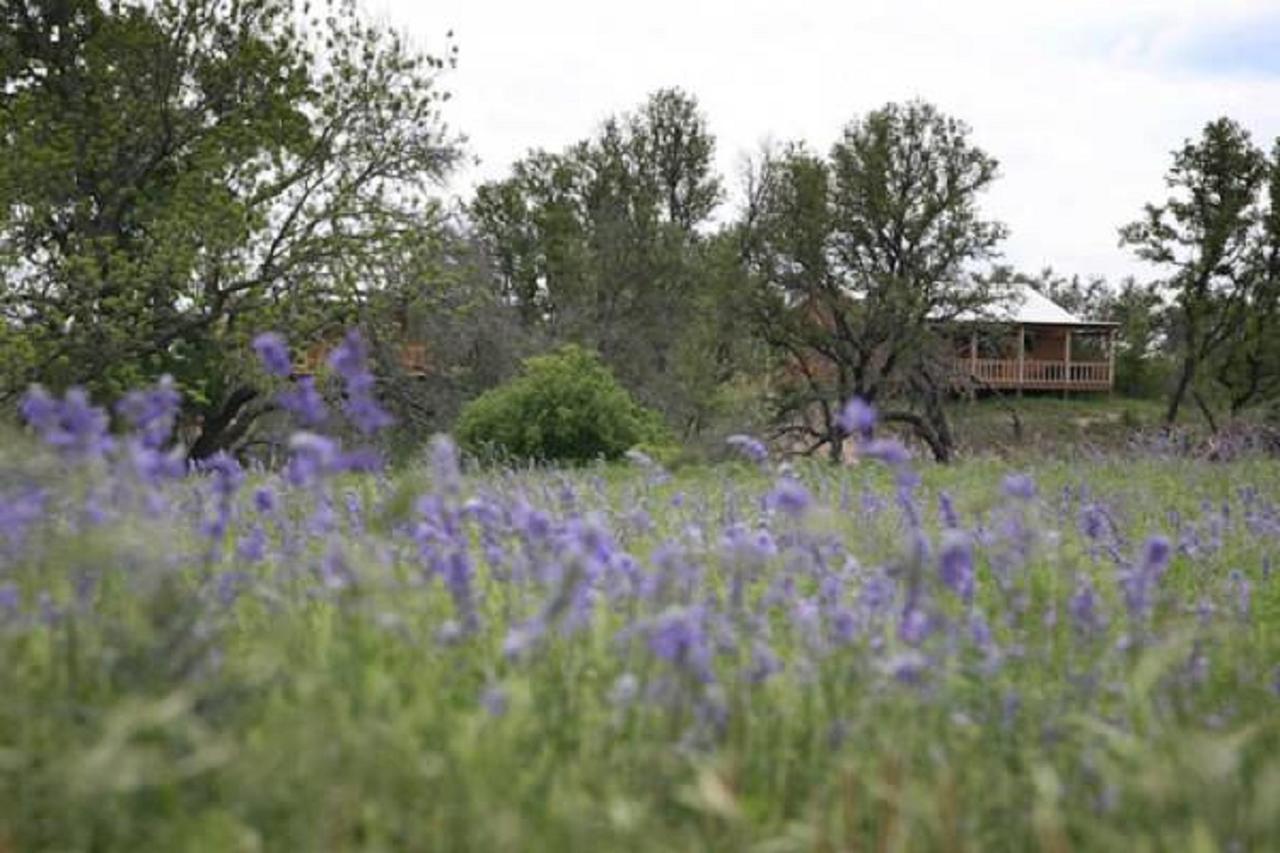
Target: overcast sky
(1080, 100)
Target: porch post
(1066, 385)
(1111, 360)
(1022, 356)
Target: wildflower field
(752, 656)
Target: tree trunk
(1206, 411)
(1180, 390)
(939, 444)
(222, 428)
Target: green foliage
(565, 406)
(176, 176)
(1216, 242)
(860, 257)
(605, 243)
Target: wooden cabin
(413, 359)
(1030, 342)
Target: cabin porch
(1079, 357)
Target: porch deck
(1036, 374)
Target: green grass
(153, 719)
(1053, 426)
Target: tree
(1206, 239)
(178, 175)
(1249, 371)
(1142, 359)
(444, 301)
(861, 259)
(603, 245)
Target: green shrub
(565, 406)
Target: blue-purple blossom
(1085, 608)
(305, 402)
(19, 511)
(790, 496)
(1156, 554)
(350, 361)
(10, 600)
(914, 626)
(152, 412)
(857, 418)
(947, 511)
(752, 448)
(887, 450)
(314, 456)
(265, 500)
(350, 357)
(1019, 486)
(273, 352)
(73, 426)
(955, 564)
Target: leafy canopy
(177, 175)
(859, 255)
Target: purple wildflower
(304, 402)
(1019, 486)
(273, 352)
(264, 500)
(313, 457)
(955, 564)
(914, 627)
(152, 412)
(907, 667)
(10, 599)
(1156, 554)
(887, 450)
(349, 358)
(790, 496)
(19, 512)
(752, 448)
(73, 426)
(1083, 607)
(253, 547)
(678, 638)
(947, 511)
(857, 418)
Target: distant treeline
(180, 175)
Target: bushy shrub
(564, 406)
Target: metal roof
(1026, 305)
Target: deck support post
(1066, 383)
(1022, 356)
(973, 364)
(1111, 361)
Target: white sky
(1080, 100)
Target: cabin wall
(1044, 344)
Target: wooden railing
(413, 359)
(1032, 373)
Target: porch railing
(1032, 373)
